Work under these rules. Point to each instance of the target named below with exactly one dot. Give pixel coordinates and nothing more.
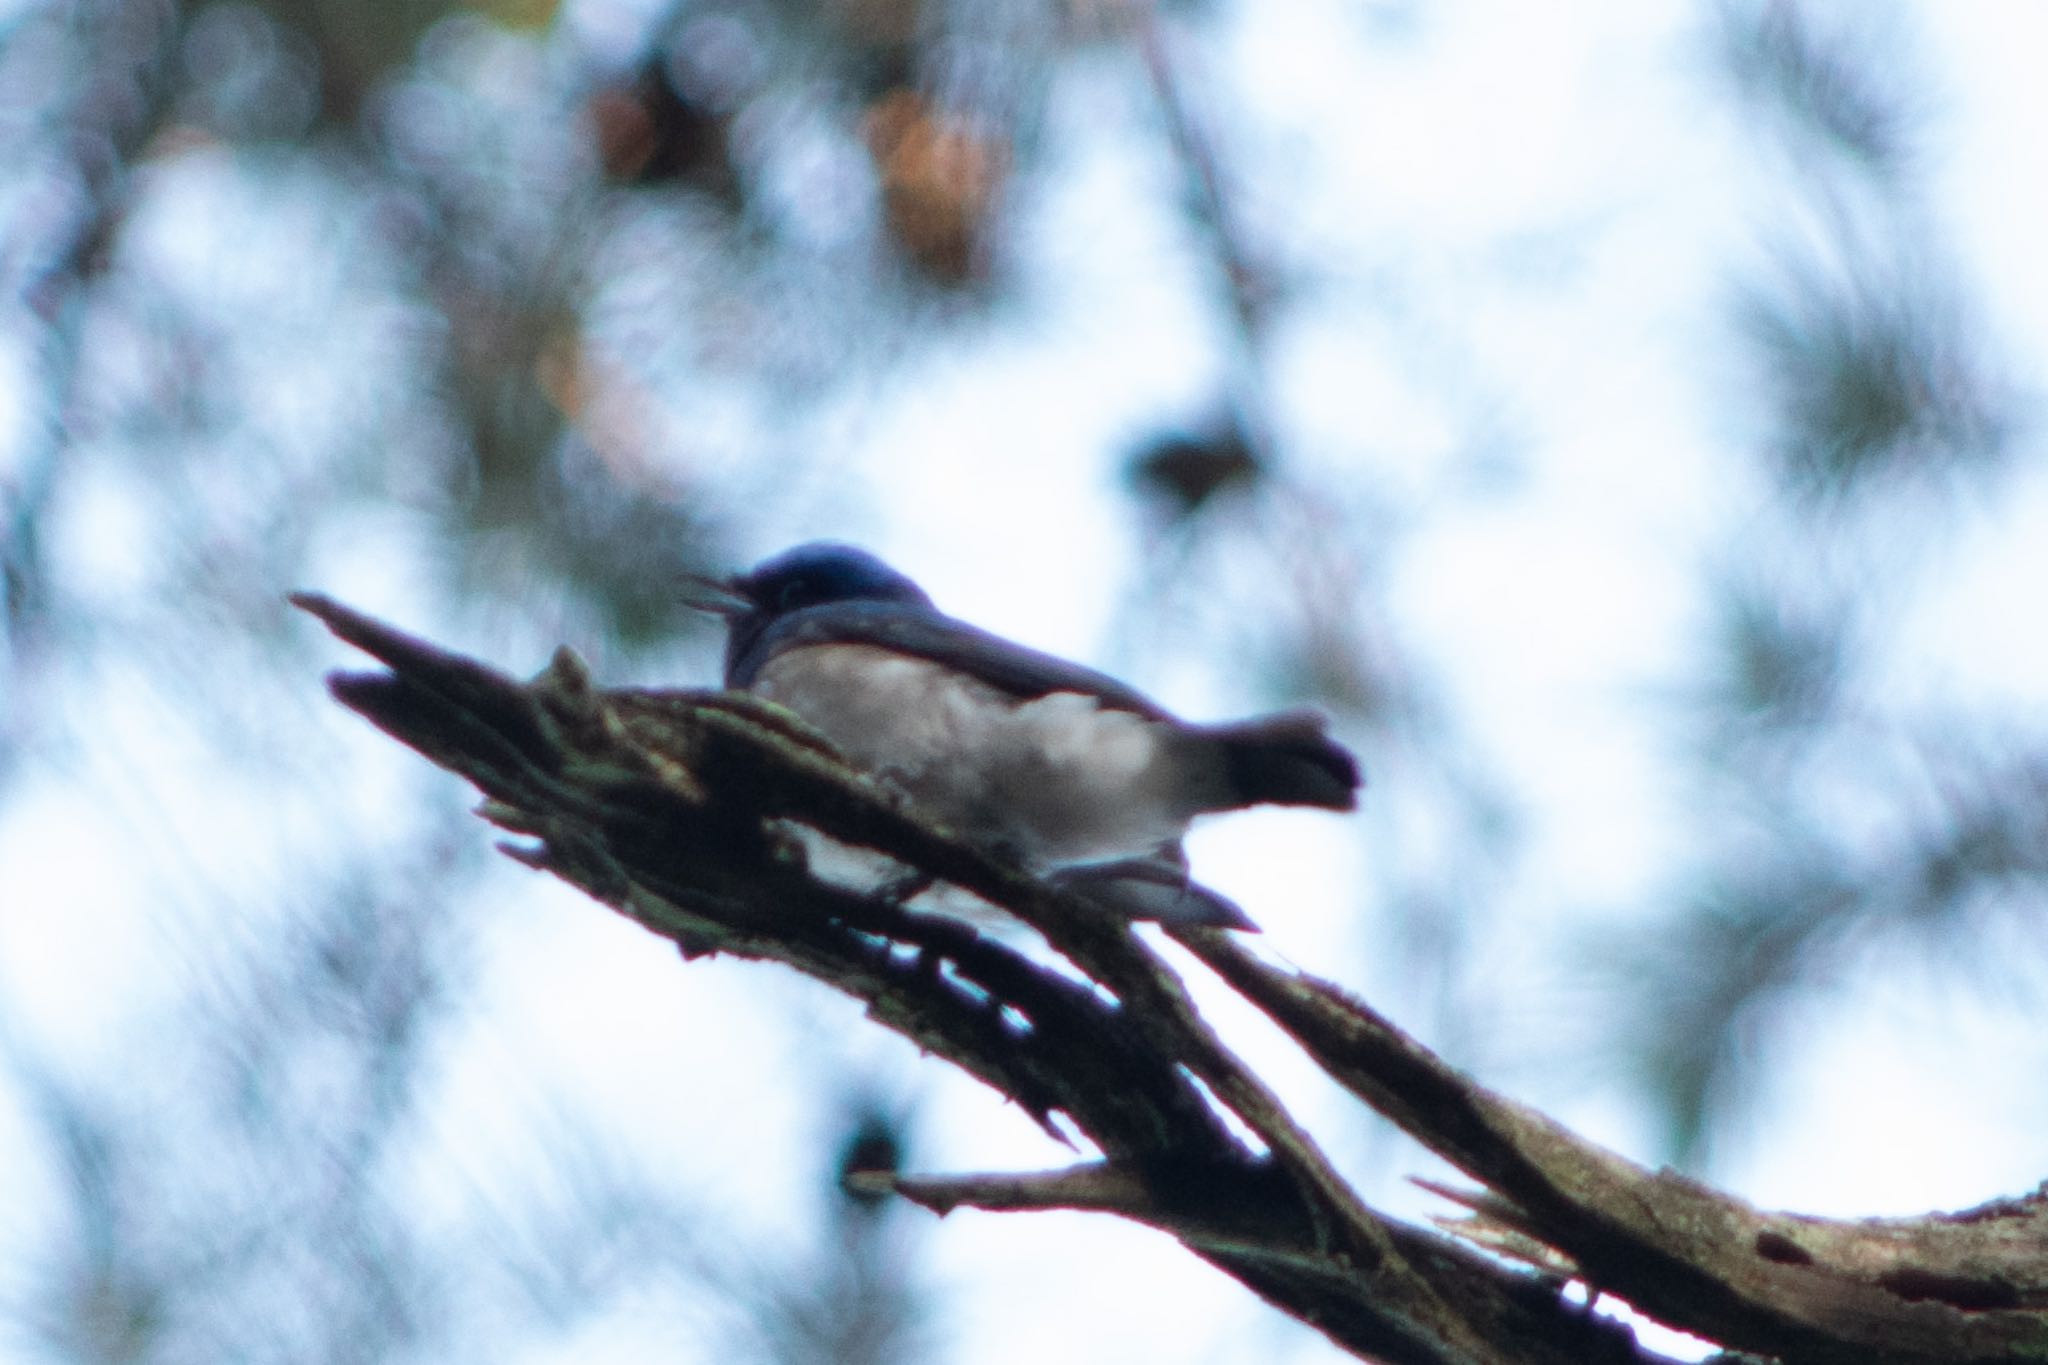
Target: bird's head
(815, 574)
(819, 572)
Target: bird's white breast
(1062, 779)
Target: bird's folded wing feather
(1009, 667)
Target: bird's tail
(1286, 759)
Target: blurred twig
(1874, 404)
(126, 53)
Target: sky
(1555, 612)
(1561, 612)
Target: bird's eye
(791, 596)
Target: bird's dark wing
(907, 628)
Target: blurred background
(1621, 417)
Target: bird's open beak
(715, 595)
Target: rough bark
(675, 809)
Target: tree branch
(1969, 1286)
(676, 808)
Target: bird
(1079, 777)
